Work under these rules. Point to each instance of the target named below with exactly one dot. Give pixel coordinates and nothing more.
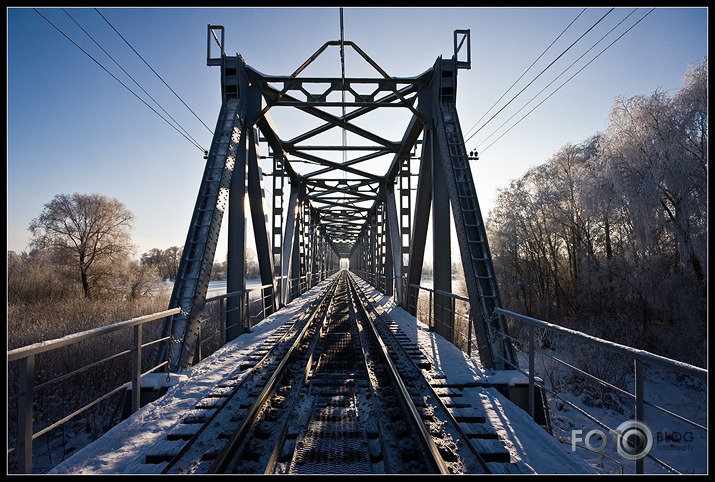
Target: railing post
(247, 311)
(640, 409)
(431, 322)
(452, 319)
(24, 413)
(136, 368)
(222, 320)
(531, 371)
(197, 356)
(469, 333)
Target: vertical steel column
(394, 242)
(303, 246)
(236, 254)
(405, 186)
(297, 267)
(256, 199)
(313, 253)
(441, 252)
(423, 206)
(373, 252)
(296, 188)
(277, 223)
(383, 259)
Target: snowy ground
(119, 450)
(676, 443)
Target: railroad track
(338, 389)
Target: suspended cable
(115, 78)
(133, 79)
(569, 79)
(155, 73)
(525, 72)
(541, 73)
(557, 77)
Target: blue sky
(71, 127)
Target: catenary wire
(115, 78)
(556, 78)
(155, 73)
(525, 72)
(569, 79)
(541, 73)
(130, 76)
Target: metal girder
(393, 236)
(260, 224)
(441, 249)
(297, 190)
(477, 264)
(236, 253)
(328, 217)
(194, 271)
(423, 206)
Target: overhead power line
(525, 72)
(556, 78)
(117, 79)
(574, 75)
(541, 73)
(133, 79)
(155, 73)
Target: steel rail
(282, 436)
(447, 412)
(177, 458)
(389, 464)
(224, 457)
(425, 436)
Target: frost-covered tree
(611, 234)
(166, 261)
(656, 154)
(87, 233)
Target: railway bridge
(368, 205)
(334, 382)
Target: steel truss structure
(363, 208)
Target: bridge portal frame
(358, 216)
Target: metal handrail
(44, 346)
(640, 357)
(25, 356)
